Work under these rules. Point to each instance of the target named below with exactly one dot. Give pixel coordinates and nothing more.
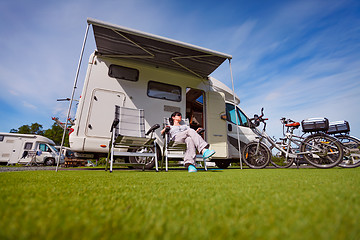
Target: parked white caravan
(143, 71)
(20, 148)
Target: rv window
(43, 147)
(53, 148)
(125, 73)
(28, 146)
(230, 113)
(1, 138)
(164, 91)
(243, 118)
(231, 117)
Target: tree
(24, 129)
(55, 133)
(35, 128)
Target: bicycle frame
(290, 138)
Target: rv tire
(49, 162)
(222, 164)
(150, 162)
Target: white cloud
(12, 92)
(29, 105)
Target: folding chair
(128, 137)
(172, 149)
(32, 156)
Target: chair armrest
(114, 124)
(167, 130)
(201, 131)
(152, 129)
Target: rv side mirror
(223, 116)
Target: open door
(216, 131)
(195, 108)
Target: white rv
(23, 148)
(139, 70)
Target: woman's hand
(166, 129)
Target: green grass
(229, 204)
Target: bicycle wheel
(279, 159)
(322, 151)
(256, 159)
(351, 147)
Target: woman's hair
(173, 115)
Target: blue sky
(297, 59)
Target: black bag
(339, 127)
(315, 125)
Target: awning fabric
(120, 42)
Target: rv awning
(120, 42)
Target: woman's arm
(167, 128)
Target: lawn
(224, 204)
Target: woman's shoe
(192, 168)
(208, 153)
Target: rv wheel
(49, 162)
(222, 164)
(149, 161)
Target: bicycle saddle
(294, 124)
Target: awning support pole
(72, 96)
(236, 116)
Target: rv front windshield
(53, 148)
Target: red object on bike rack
(295, 124)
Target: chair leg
(112, 153)
(156, 159)
(205, 167)
(108, 156)
(111, 161)
(166, 162)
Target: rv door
(15, 151)
(102, 112)
(215, 126)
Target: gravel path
(13, 169)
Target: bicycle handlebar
(256, 120)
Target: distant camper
(21, 148)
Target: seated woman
(184, 134)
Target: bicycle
(351, 145)
(318, 149)
(281, 160)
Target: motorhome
(24, 148)
(143, 71)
